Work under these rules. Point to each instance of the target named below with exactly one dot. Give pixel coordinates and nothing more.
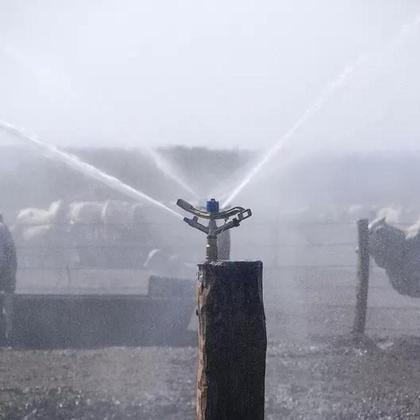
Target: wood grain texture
(232, 341)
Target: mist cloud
(237, 74)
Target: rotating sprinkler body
(232, 218)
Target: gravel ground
(333, 379)
(314, 371)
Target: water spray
(285, 139)
(167, 169)
(54, 153)
(46, 73)
(325, 95)
(232, 218)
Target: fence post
(232, 341)
(362, 276)
(274, 241)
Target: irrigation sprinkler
(232, 218)
(232, 340)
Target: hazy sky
(217, 73)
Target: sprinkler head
(232, 218)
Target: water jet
(73, 162)
(327, 93)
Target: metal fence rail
(269, 241)
(311, 278)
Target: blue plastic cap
(212, 206)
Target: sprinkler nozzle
(212, 206)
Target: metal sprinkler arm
(244, 214)
(229, 225)
(213, 214)
(191, 209)
(194, 223)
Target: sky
(221, 74)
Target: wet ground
(330, 380)
(315, 370)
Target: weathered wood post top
(232, 338)
(232, 341)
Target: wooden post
(362, 277)
(232, 341)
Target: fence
(311, 278)
(310, 271)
